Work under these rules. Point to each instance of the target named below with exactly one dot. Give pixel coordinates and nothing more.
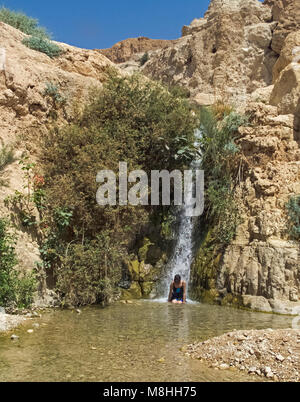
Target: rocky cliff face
(225, 55)
(127, 49)
(247, 53)
(243, 52)
(262, 261)
(287, 14)
(25, 109)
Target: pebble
(224, 366)
(36, 325)
(30, 331)
(14, 337)
(280, 358)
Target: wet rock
(258, 303)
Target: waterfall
(181, 261)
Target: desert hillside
(243, 53)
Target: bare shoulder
(184, 283)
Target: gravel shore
(271, 354)
(8, 322)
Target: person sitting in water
(177, 293)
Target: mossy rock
(210, 296)
(232, 300)
(134, 270)
(134, 292)
(204, 270)
(143, 251)
(147, 288)
(148, 273)
(154, 254)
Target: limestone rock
(24, 74)
(287, 14)
(125, 50)
(225, 55)
(286, 91)
(257, 303)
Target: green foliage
(62, 217)
(18, 20)
(6, 156)
(293, 208)
(219, 127)
(43, 45)
(32, 197)
(25, 287)
(15, 289)
(52, 91)
(179, 92)
(130, 119)
(144, 59)
(90, 272)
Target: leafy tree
(133, 120)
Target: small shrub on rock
(43, 45)
(28, 25)
(293, 208)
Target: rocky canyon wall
(25, 110)
(247, 53)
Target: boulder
(257, 303)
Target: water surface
(124, 343)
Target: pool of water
(124, 342)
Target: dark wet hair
(177, 278)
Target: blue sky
(101, 23)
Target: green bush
(293, 208)
(130, 119)
(43, 45)
(144, 59)
(29, 26)
(52, 91)
(6, 156)
(90, 273)
(15, 289)
(219, 127)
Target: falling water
(181, 261)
